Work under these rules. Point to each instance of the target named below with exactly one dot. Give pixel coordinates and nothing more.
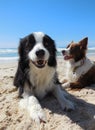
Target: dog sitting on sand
(36, 75)
(80, 69)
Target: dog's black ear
(23, 65)
(23, 54)
(49, 43)
(22, 46)
(26, 44)
(83, 43)
(19, 79)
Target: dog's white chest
(42, 80)
(70, 75)
(74, 76)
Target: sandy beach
(13, 118)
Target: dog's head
(39, 49)
(75, 51)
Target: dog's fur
(80, 70)
(36, 74)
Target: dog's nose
(63, 52)
(40, 53)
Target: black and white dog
(36, 74)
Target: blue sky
(63, 20)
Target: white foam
(8, 51)
(8, 58)
(91, 48)
(60, 49)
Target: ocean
(8, 54)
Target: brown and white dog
(80, 70)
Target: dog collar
(81, 63)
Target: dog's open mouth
(39, 63)
(67, 57)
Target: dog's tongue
(66, 57)
(40, 62)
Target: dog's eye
(72, 49)
(46, 44)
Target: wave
(8, 51)
(60, 49)
(91, 48)
(8, 58)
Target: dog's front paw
(38, 116)
(66, 85)
(63, 98)
(67, 105)
(63, 80)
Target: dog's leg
(61, 97)
(34, 108)
(64, 80)
(77, 85)
(66, 85)
(73, 85)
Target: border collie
(80, 70)
(36, 75)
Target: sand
(13, 118)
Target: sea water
(8, 54)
